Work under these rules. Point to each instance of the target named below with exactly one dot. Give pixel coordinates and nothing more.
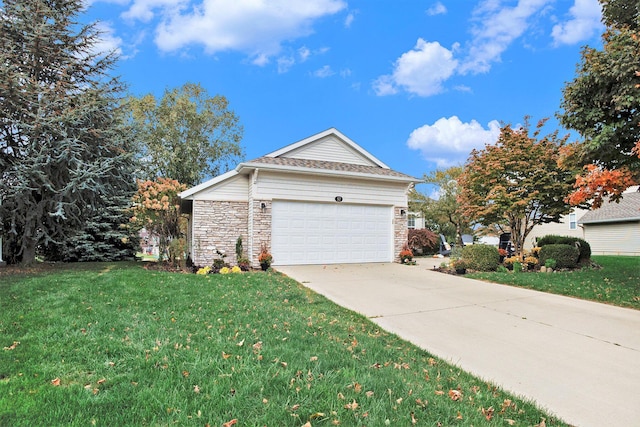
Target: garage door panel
(322, 233)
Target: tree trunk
(28, 251)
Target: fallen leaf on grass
(439, 392)
(185, 374)
(102, 381)
(488, 413)
(225, 355)
(230, 423)
(459, 416)
(353, 405)
(313, 358)
(55, 382)
(307, 424)
(196, 389)
(543, 423)
(455, 394)
(510, 421)
(413, 418)
(12, 346)
(241, 343)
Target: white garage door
(330, 233)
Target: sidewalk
(578, 359)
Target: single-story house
(612, 229)
(321, 200)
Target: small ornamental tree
(156, 207)
(516, 183)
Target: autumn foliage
(516, 183)
(157, 208)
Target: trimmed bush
(566, 256)
(481, 257)
(582, 245)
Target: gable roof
(297, 149)
(303, 157)
(628, 209)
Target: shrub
(517, 267)
(423, 240)
(511, 260)
(405, 254)
(236, 269)
(481, 257)
(204, 270)
(582, 245)
(550, 263)
(244, 264)
(566, 256)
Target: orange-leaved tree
(516, 183)
(156, 207)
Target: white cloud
(324, 72)
(349, 20)
(420, 71)
(108, 42)
(585, 21)
(255, 27)
(448, 142)
(304, 53)
(436, 9)
(497, 28)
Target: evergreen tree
(62, 138)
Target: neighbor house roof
(628, 209)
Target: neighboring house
(149, 243)
(612, 229)
(568, 226)
(415, 221)
(321, 200)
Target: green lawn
(617, 282)
(114, 344)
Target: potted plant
(406, 256)
(265, 258)
(460, 266)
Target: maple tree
(601, 104)
(186, 135)
(516, 183)
(156, 207)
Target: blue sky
(416, 83)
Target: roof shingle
(328, 166)
(627, 210)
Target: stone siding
(217, 226)
(261, 229)
(400, 231)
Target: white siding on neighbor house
(329, 149)
(562, 228)
(325, 189)
(613, 238)
(235, 189)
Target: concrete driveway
(580, 360)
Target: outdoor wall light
(263, 207)
(338, 199)
(403, 213)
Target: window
(411, 221)
(572, 222)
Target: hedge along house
(321, 200)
